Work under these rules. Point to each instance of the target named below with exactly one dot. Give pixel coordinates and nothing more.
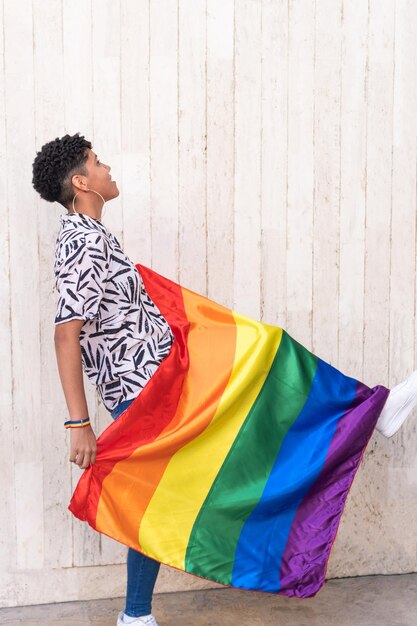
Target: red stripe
(124, 435)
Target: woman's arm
(68, 355)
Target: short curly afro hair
(56, 163)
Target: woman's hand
(83, 446)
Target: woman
(107, 324)
(95, 276)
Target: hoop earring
(99, 194)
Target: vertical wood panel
(48, 125)
(220, 149)
(300, 172)
(29, 514)
(106, 95)
(24, 276)
(403, 246)
(247, 174)
(378, 190)
(192, 144)
(378, 217)
(134, 183)
(77, 107)
(7, 458)
(326, 179)
(274, 174)
(164, 135)
(353, 186)
(403, 462)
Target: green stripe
(242, 478)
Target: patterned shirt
(125, 337)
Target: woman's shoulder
(76, 243)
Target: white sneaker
(398, 406)
(149, 620)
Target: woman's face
(99, 177)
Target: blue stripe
(299, 462)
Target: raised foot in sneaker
(398, 406)
(144, 620)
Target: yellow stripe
(169, 518)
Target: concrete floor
(361, 601)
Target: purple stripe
(304, 562)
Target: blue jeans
(141, 570)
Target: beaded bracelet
(77, 423)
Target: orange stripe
(132, 481)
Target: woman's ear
(80, 182)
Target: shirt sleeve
(81, 274)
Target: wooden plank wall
(266, 155)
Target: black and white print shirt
(125, 337)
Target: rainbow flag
(235, 460)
